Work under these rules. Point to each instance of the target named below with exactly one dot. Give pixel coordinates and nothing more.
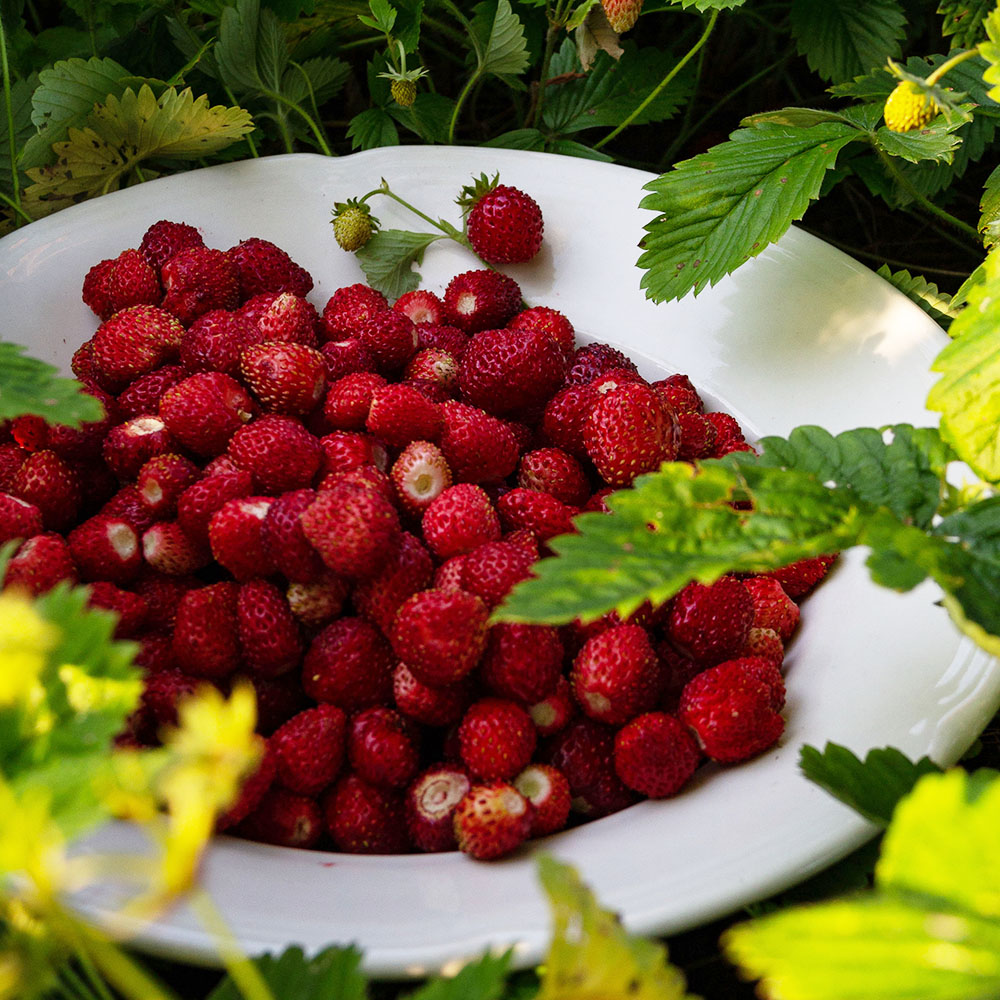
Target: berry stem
(950, 64)
(655, 92)
(9, 109)
(439, 224)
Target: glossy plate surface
(800, 335)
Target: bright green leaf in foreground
(483, 979)
(28, 385)
(726, 205)
(968, 393)
(872, 786)
(935, 141)
(333, 974)
(930, 928)
(926, 294)
(989, 207)
(591, 954)
(388, 258)
(990, 51)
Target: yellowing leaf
(591, 955)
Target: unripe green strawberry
(404, 92)
(621, 14)
(352, 227)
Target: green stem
(550, 45)
(243, 971)
(466, 90)
(439, 224)
(99, 987)
(950, 64)
(313, 124)
(15, 207)
(112, 964)
(654, 93)
(231, 97)
(9, 108)
(922, 200)
(74, 985)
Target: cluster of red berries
(331, 503)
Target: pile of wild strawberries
(331, 503)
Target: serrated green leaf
(795, 117)
(372, 128)
(726, 205)
(483, 979)
(871, 787)
(579, 15)
(989, 206)
(937, 304)
(522, 138)
(591, 955)
(498, 37)
(873, 947)
(844, 38)
(964, 19)
(935, 141)
(332, 974)
(990, 51)
(20, 118)
(388, 258)
(383, 16)
(968, 393)
(617, 561)
(569, 147)
(703, 5)
(315, 80)
(236, 49)
(28, 385)
(407, 28)
(942, 843)
(610, 91)
(429, 116)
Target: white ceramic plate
(800, 335)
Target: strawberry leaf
(989, 220)
(937, 304)
(990, 51)
(498, 39)
(591, 955)
(333, 974)
(28, 385)
(726, 205)
(968, 393)
(20, 119)
(843, 38)
(388, 258)
(871, 787)
(963, 20)
(933, 142)
(483, 979)
(371, 128)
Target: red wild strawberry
(630, 431)
(40, 563)
(799, 578)
(382, 748)
(479, 448)
(278, 452)
(254, 788)
(345, 356)
(234, 533)
(491, 570)
(155, 648)
(680, 393)
(365, 819)
(408, 571)
(550, 321)
(772, 607)
(522, 662)
(698, 436)
(30, 431)
(162, 691)
(205, 641)
(268, 632)
(592, 360)
(504, 225)
(130, 608)
(127, 503)
(436, 366)
(421, 306)
(764, 642)
(12, 457)
(710, 622)
(345, 450)
(617, 674)
(655, 754)
(261, 266)
(198, 279)
(366, 477)
(733, 708)
(317, 604)
(135, 341)
(84, 443)
(105, 548)
(215, 341)
(509, 372)
(440, 634)
(202, 499)
(481, 300)
(442, 337)
(420, 475)
(622, 14)
(431, 800)
(547, 789)
(162, 479)
(391, 337)
(129, 446)
(284, 541)
(349, 663)
(491, 820)
(169, 549)
(448, 576)
(728, 433)
(555, 711)
(165, 238)
(459, 520)
(289, 319)
(496, 738)
(309, 749)
(162, 595)
(144, 394)
(95, 289)
(354, 530)
(348, 308)
(540, 513)
(428, 705)
(284, 819)
(18, 519)
(130, 281)
(49, 483)
(554, 471)
(278, 699)
(400, 414)
(565, 417)
(348, 400)
(205, 410)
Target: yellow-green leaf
(591, 955)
